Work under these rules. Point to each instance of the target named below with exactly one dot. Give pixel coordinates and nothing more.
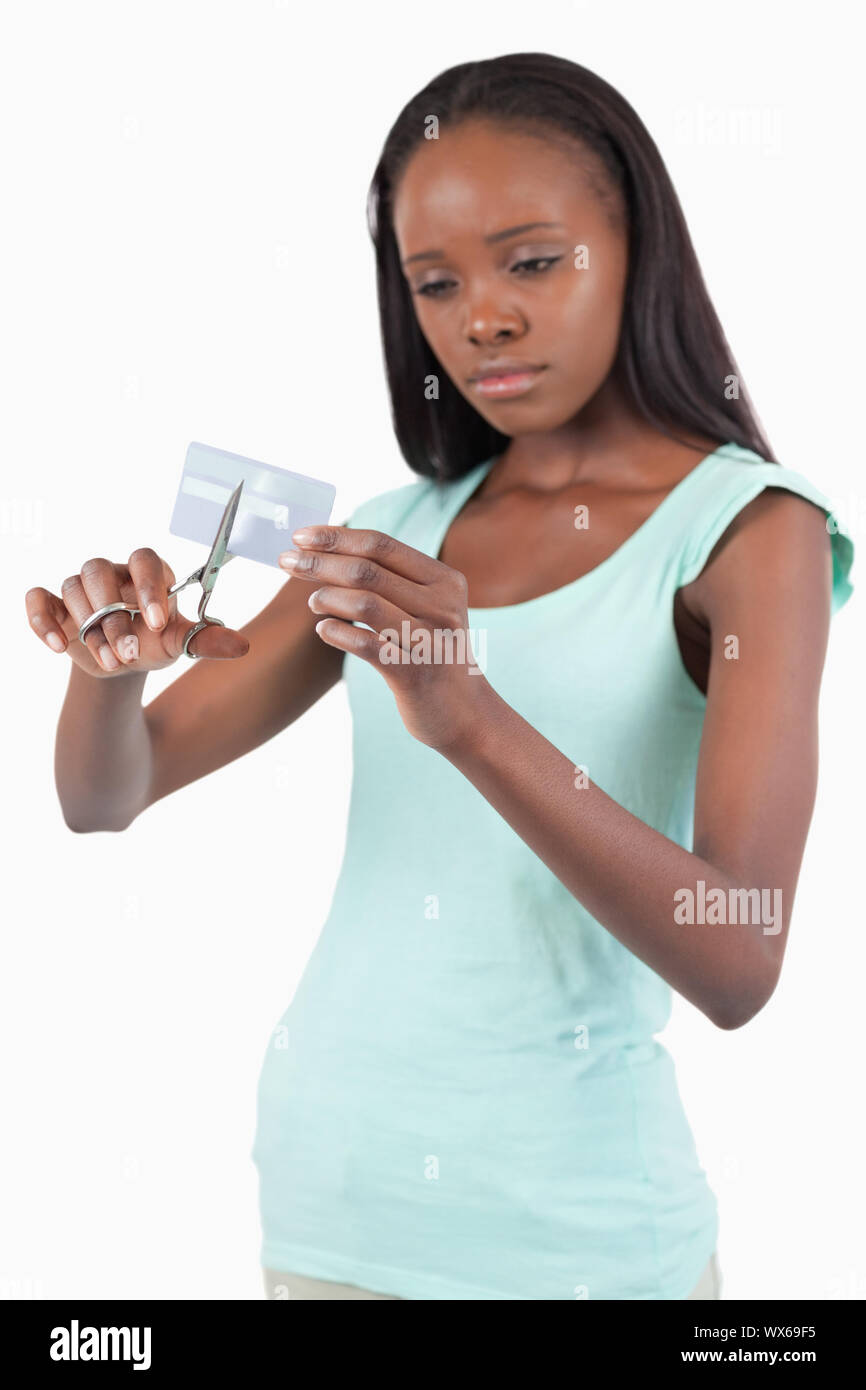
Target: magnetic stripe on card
(277, 483)
(253, 502)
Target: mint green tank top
(467, 1097)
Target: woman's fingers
(148, 640)
(385, 551)
(356, 571)
(79, 607)
(46, 614)
(215, 642)
(357, 606)
(112, 641)
(150, 579)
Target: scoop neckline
(465, 487)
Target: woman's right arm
(114, 757)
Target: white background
(185, 256)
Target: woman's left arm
(767, 584)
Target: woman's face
(490, 226)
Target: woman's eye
(536, 265)
(533, 265)
(434, 288)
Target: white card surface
(274, 503)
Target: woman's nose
(488, 321)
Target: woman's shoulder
(723, 504)
(385, 511)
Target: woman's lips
(507, 383)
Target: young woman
(466, 1098)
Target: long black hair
(673, 359)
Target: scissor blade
(217, 557)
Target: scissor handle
(199, 627)
(103, 613)
(132, 610)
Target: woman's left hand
(417, 609)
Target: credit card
(274, 503)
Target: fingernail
(303, 535)
(154, 615)
(128, 647)
(107, 657)
(289, 560)
(55, 642)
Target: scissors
(206, 575)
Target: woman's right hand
(122, 644)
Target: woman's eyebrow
(493, 237)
